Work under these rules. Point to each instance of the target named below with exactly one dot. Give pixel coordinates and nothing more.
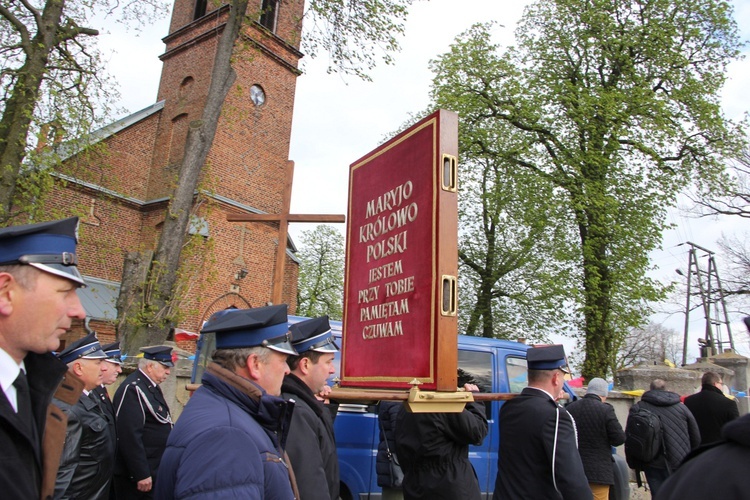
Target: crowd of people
(261, 425)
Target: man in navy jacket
(229, 440)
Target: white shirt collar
(542, 390)
(9, 370)
(149, 378)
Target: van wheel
(344, 493)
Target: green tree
(53, 87)
(508, 273)
(616, 104)
(321, 273)
(354, 33)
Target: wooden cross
(283, 219)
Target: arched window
(185, 86)
(177, 139)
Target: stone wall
(683, 382)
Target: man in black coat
(88, 457)
(311, 444)
(110, 370)
(714, 471)
(38, 301)
(538, 447)
(143, 424)
(433, 449)
(711, 408)
(680, 432)
(598, 430)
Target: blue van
(495, 365)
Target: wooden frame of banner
(400, 325)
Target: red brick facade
(124, 191)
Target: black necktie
(23, 401)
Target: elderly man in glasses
(229, 440)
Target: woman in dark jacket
(598, 430)
(433, 449)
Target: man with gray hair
(143, 424)
(229, 440)
(680, 432)
(598, 430)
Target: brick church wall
(247, 164)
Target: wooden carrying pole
(339, 394)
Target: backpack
(643, 437)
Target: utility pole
(712, 297)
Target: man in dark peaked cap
(143, 423)
(88, 457)
(311, 444)
(38, 302)
(111, 369)
(229, 440)
(538, 455)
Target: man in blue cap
(538, 455)
(88, 457)
(143, 424)
(38, 302)
(110, 370)
(311, 444)
(229, 440)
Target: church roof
(99, 298)
(125, 122)
(66, 151)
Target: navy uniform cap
(160, 353)
(551, 357)
(313, 335)
(88, 348)
(258, 327)
(48, 246)
(113, 352)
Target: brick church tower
(123, 188)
